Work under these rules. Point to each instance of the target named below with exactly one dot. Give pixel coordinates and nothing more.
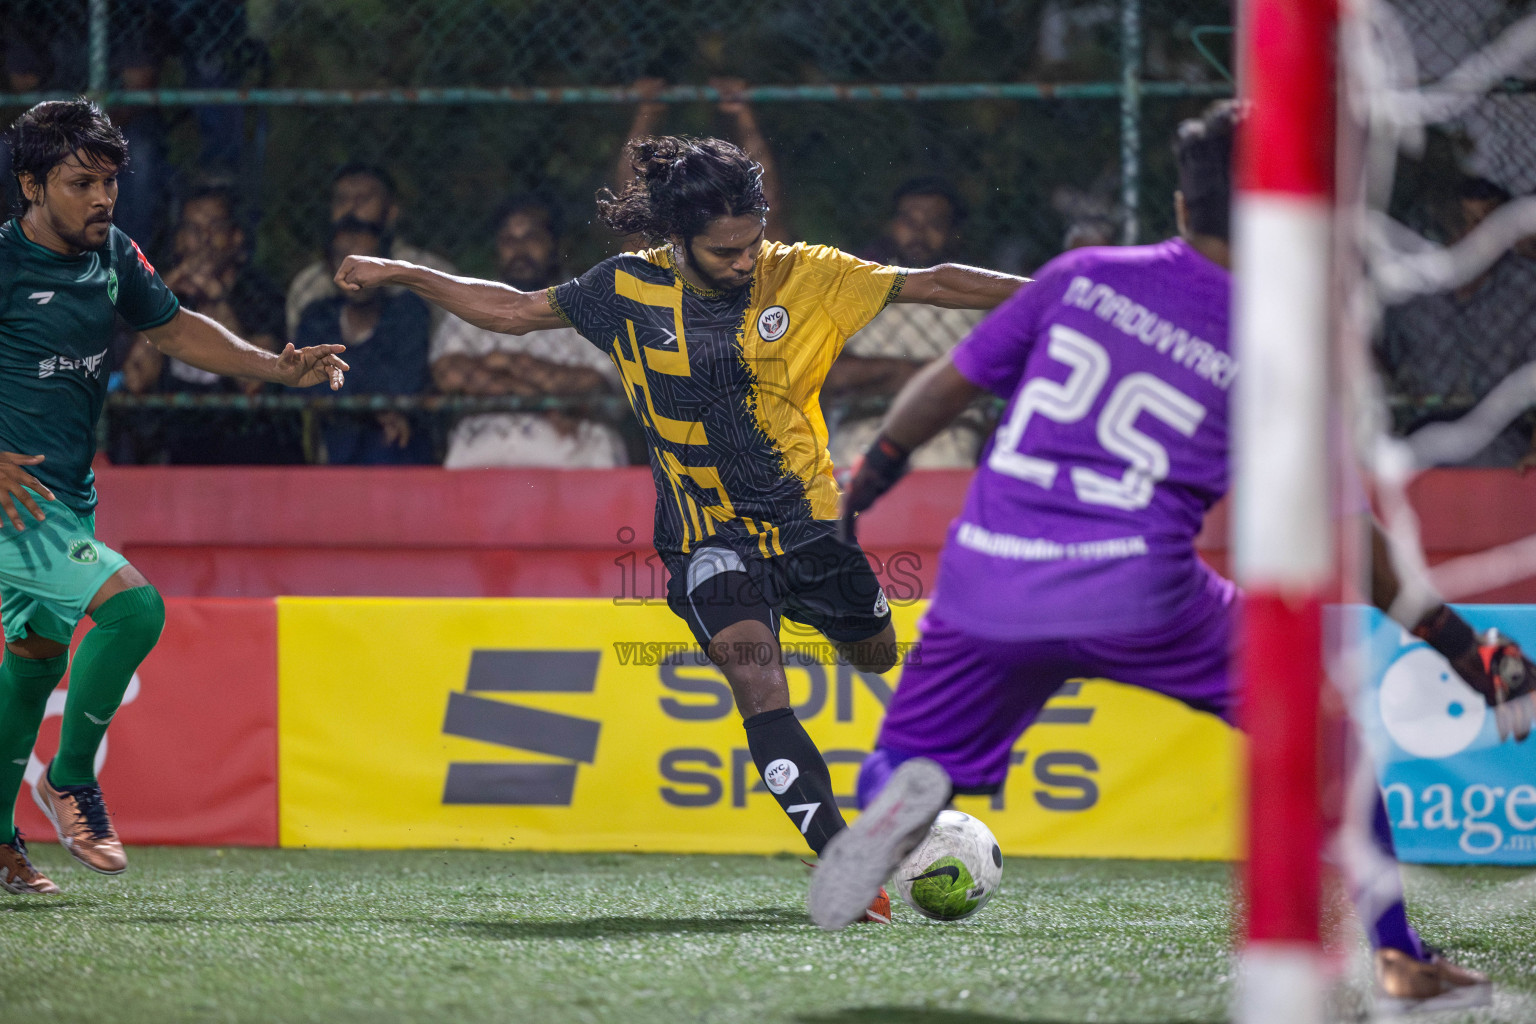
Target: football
(953, 872)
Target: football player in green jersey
(723, 339)
(65, 274)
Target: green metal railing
(626, 95)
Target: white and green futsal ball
(953, 872)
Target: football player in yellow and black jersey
(723, 340)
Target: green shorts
(50, 571)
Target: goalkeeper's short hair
(1203, 147)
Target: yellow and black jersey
(727, 385)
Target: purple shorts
(964, 701)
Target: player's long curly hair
(680, 185)
(51, 132)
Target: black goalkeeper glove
(875, 473)
(1492, 664)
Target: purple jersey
(1082, 516)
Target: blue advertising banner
(1455, 794)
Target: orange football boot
(79, 816)
(17, 873)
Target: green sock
(127, 626)
(25, 684)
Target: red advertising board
(191, 756)
(396, 531)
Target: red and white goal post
(1283, 531)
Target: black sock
(795, 774)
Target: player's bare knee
(747, 644)
(126, 578)
(757, 688)
(874, 657)
(37, 648)
(877, 655)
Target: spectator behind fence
(744, 131)
(1089, 231)
(47, 50)
(468, 360)
(212, 275)
(387, 333)
(367, 193)
(924, 230)
(1444, 352)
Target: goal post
(1283, 535)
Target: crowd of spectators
(1439, 354)
(46, 49)
(399, 345)
(924, 229)
(561, 364)
(211, 273)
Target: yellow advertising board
(576, 724)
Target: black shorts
(826, 584)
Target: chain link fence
(1441, 353)
(1048, 117)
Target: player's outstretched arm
(930, 402)
(1492, 664)
(957, 286)
(486, 304)
(205, 343)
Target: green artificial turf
(294, 935)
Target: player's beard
(918, 255)
(82, 240)
(526, 276)
(713, 282)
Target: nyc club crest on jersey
(772, 323)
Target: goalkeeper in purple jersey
(1074, 553)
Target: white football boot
(858, 860)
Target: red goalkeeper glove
(1492, 664)
(1514, 684)
(876, 472)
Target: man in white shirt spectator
(468, 360)
(924, 230)
(367, 193)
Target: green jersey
(56, 321)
